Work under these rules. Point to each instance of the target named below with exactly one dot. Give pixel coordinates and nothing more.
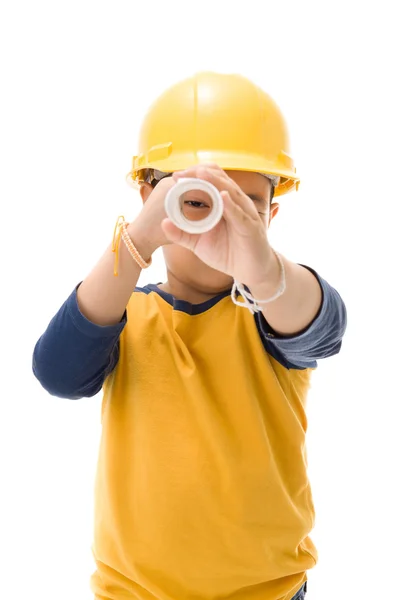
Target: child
(201, 489)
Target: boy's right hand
(145, 231)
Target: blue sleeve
(321, 339)
(74, 356)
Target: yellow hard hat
(210, 117)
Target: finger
(230, 207)
(238, 221)
(233, 214)
(222, 181)
(241, 206)
(195, 168)
(217, 177)
(208, 173)
(178, 236)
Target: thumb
(177, 236)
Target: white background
(76, 79)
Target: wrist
(141, 241)
(269, 279)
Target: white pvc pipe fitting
(173, 206)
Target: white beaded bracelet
(253, 306)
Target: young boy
(202, 489)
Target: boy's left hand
(238, 244)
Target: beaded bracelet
(253, 305)
(133, 251)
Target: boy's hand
(145, 230)
(238, 244)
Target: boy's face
(182, 264)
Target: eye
(196, 203)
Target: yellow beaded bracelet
(121, 225)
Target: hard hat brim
(227, 161)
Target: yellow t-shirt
(202, 489)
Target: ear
(145, 191)
(273, 211)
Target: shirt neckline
(184, 305)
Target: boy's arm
(320, 338)
(74, 356)
(102, 297)
(80, 346)
(297, 307)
